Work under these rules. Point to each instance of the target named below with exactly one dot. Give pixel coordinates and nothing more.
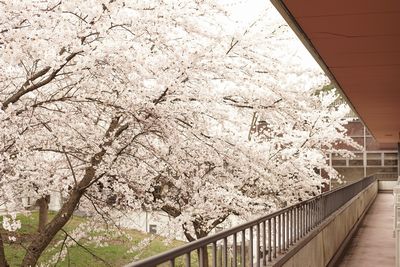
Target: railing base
(287, 257)
(340, 252)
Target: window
(390, 159)
(153, 229)
(374, 159)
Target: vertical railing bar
(292, 226)
(298, 219)
(308, 216)
(225, 252)
(319, 211)
(315, 213)
(298, 223)
(251, 246)
(327, 206)
(172, 262)
(302, 220)
(285, 244)
(234, 259)
(258, 240)
(264, 243)
(187, 259)
(287, 229)
(275, 235)
(201, 257)
(220, 257)
(269, 241)
(283, 232)
(285, 215)
(243, 249)
(312, 215)
(321, 219)
(214, 254)
(305, 219)
(279, 234)
(322, 209)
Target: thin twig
(70, 166)
(62, 246)
(86, 249)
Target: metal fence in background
(260, 241)
(387, 176)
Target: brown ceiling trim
(291, 21)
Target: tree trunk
(43, 238)
(43, 204)
(3, 261)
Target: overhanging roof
(357, 43)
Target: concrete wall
(323, 246)
(386, 185)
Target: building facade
(372, 159)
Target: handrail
(274, 233)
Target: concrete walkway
(373, 244)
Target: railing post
(396, 193)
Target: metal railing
(260, 241)
(396, 225)
(386, 176)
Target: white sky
(246, 11)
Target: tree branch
(70, 166)
(61, 249)
(161, 97)
(42, 239)
(29, 86)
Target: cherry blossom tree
(120, 105)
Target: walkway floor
(373, 244)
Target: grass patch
(115, 253)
